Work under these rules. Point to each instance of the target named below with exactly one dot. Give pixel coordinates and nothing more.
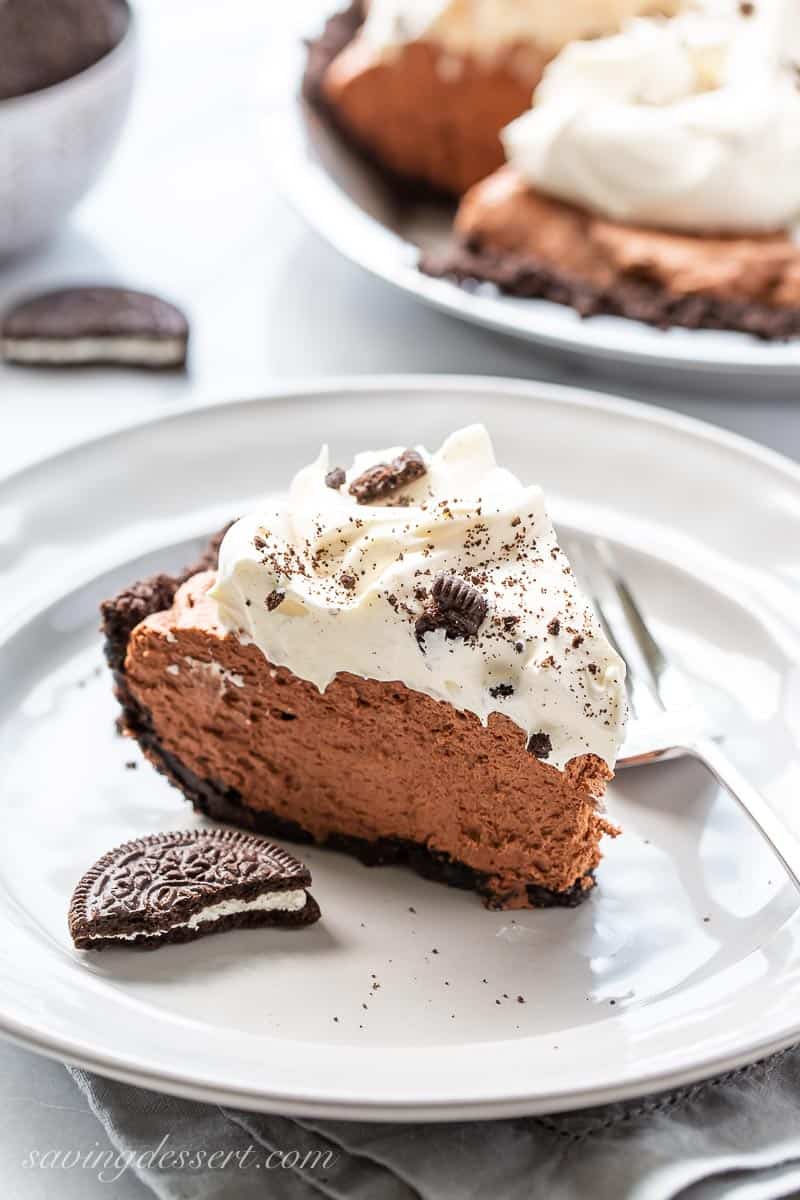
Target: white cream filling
(131, 350)
(292, 901)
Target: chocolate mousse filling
(210, 712)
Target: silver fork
(657, 729)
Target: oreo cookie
(81, 326)
(175, 887)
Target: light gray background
(187, 209)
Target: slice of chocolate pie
(425, 86)
(396, 662)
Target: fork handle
(771, 828)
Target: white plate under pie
(348, 203)
(684, 962)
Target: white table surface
(187, 209)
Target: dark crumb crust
(121, 614)
(637, 298)
(339, 31)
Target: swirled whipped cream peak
(441, 571)
(689, 124)
(485, 27)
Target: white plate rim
(334, 216)
(300, 1101)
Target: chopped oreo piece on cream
(457, 607)
(84, 326)
(175, 887)
(385, 478)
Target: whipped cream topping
(324, 584)
(291, 901)
(486, 27)
(688, 124)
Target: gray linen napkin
(736, 1136)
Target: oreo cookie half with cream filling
(82, 326)
(175, 887)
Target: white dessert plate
(409, 1000)
(348, 203)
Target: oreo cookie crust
(83, 326)
(176, 887)
(637, 298)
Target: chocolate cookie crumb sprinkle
(347, 581)
(502, 691)
(275, 599)
(335, 478)
(539, 745)
(554, 627)
(387, 477)
(456, 606)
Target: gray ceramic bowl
(55, 142)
